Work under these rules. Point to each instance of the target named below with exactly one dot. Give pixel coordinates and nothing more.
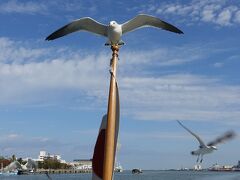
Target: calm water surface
(146, 175)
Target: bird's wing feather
(85, 24)
(202, 144)
(226, 136)
(143, 20)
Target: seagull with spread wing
(211, 146)
(113, 31)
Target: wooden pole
(109, 155)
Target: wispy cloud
(30, 145)
(180, 134)
(131, 136)
(10, 137)
(13, 136)
(26, 7)
(18, 52)
(237, 17)
(218, 64)
(45, 7)
(25, 146)
(31, 77)
(209, 11)
(27, 71)
(31, 71)
(164, 56)
(181, 96)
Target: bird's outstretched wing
(226, 136)
(85, 24)
(143, 20)
(13, 165)
(202, 144)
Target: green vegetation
(52, 164)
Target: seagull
(30, 165)
(113, 31)
(210, 147)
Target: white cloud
(45, 7)
(16, 6)
(163, 56)
(69, 77)
(10, 137)
(154, 135)
(19, 82)
(179, 134)
(212, 11)
(17, 52)
(13, 136)
(26, 71)
(209, 12)
(224, 17)
(237, 17)
(25, 146)
(218, 64)
(183, 97)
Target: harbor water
(146, 175)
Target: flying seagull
(210, 147)
(113, 31)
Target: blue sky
(53, 94)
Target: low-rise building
(44, 155)
(82, 164)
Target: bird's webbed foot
(107, 44)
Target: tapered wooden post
(109, 155)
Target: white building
(82, 164)
(44, 155)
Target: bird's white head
(113, 24)
(214, 147)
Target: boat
(25, 172)
(118, 168)
(136, 171)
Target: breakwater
(62, 171)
